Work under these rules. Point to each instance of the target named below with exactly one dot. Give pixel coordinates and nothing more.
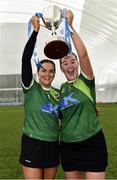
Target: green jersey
(78, 108)
(41, 113)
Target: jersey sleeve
(26, 72)
(90, 84)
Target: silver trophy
(56, 47)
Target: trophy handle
(43, 21)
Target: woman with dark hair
(40, 140)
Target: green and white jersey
(41, 112)
(78, 108)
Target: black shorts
(39, 154)
(89, 155)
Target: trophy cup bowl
(56, 47)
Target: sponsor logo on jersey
(68, 101)
(50, 108)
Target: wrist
(72, 30)
(35, 32)
(36, 29)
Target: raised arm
(84, 60)
(27, 54)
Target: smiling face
(46, 74)
(69, 66)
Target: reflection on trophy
(56, 47)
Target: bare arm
(80, 48)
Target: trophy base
(56, 49)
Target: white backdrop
(94, 20)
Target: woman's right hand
(36, 23)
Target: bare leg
(73, 175)
(95, 175)
(50, 173)
(32, 173)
